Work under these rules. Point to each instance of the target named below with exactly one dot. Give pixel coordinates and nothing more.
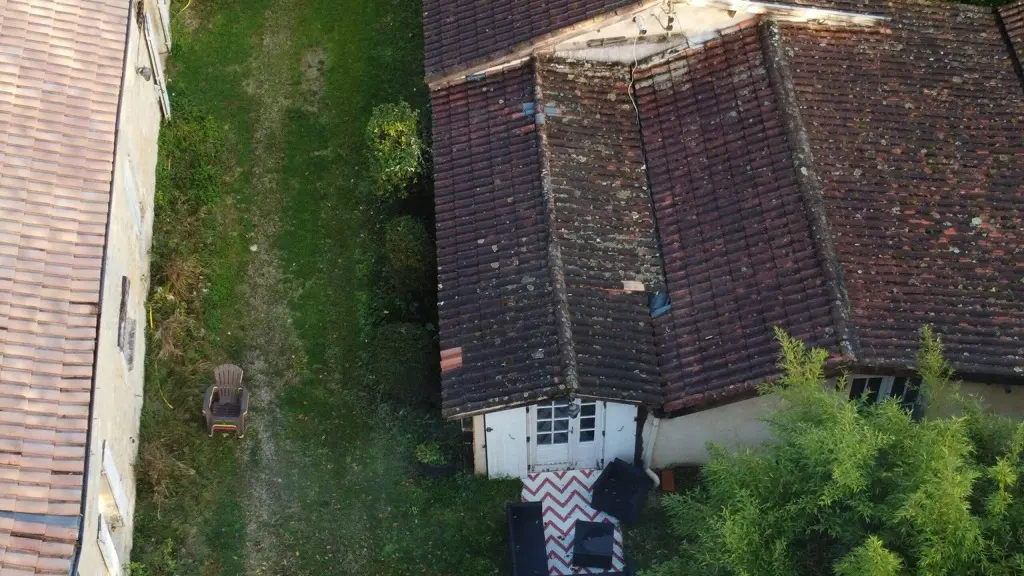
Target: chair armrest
(245, 401)
(208, 399)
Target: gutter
(648, 452)
(99, 304)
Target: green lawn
(268, 253)
(263, 175)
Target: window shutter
(506, 443)
(114, 482)
(122, 316)
(107, 548)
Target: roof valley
(569, 361)
(781, 79)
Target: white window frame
(107, 548)
(158, 68)
(884, 388)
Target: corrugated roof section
(60, 77)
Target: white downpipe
(649, 452)
(654, 477)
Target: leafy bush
(430, 453)
(851, 488)
(191, 168)
(396, 152)
(408, 259)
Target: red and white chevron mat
(566, 496)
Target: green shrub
(430, 453)
(408, 255)
(191, 167)
(396, 152)
(851, 488)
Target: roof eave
(103, 274)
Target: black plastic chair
(621, 491)
(526, 538)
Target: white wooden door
(505, 443)
(587, 440)
(562, 438)
(619, 432)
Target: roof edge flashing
(467, 71)
(794, 12)
(458, 73)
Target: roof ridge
(781, 78)
(575, 24)
(1010, 19)
(563, 321)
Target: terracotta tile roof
(739, 258)
(847, 183)
(60, 77)
(908, 195)
(495, 296)
(461, 32)
(604, 226)
(537, 300)
(916, 136)
(30, 547)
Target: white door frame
(560, 442)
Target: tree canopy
(859, 488)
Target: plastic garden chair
(226, 402)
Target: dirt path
(274, 348)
